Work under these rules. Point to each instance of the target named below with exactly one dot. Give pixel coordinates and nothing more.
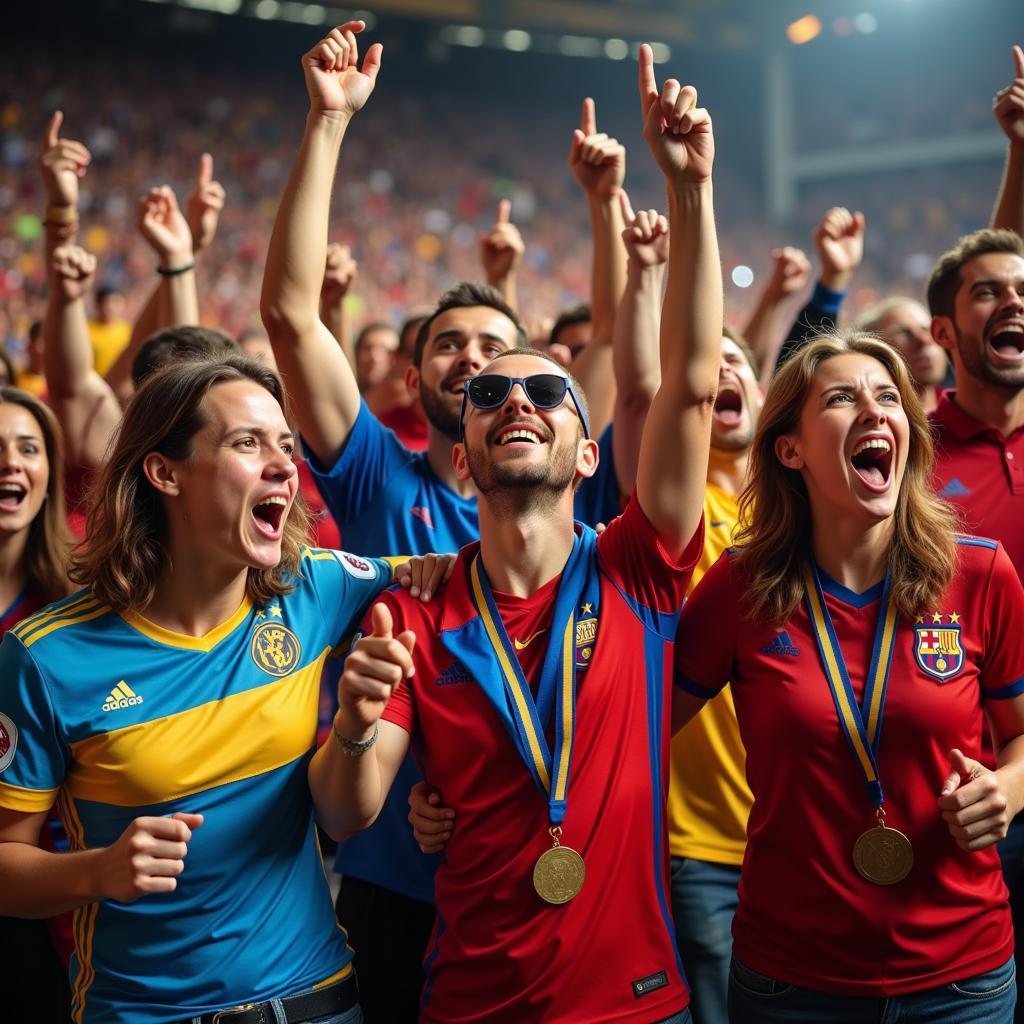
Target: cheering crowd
(667, 674)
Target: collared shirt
(982, 474)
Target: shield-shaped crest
(938, 651)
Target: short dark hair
(462, 296)
(410, 329)
(106, 291)
(744, 346)
(178, 344)
(944, 280)
(376, 325)
(578, 314)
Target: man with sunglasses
(534, 689)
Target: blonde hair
(126, 555)
(773, 541)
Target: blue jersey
(389, 501)
(116, 718)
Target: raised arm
(501, 252)
(85, 405)
(340, 273)
(674, 454)
(635, 344)
(175, 300)
(61, 163)
(791, 270)
(598, 163)
(315, 371)
(1009, 111)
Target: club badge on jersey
(937, 647)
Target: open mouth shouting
(12, 496)
(1006, 339)
(268, 515)
(728, 406)
(872, 461)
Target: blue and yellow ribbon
(861, 724)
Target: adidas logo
(781, 645)
(956, 488)
(453, 675)
(121, 696)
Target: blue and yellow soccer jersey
(116, 718)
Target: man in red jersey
(535, 691)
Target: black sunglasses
(544, 390)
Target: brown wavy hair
(126, 555)
(49, 539)
(773, 541)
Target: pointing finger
(627, 209)
(646, 81)
(504, 211)
(205, 175)
(53, 129)
(588, 117)
(1018, 60)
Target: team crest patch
(356, 566)
(586, 637)
(937, 647)
(8, 742)
(275, 649)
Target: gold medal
(883, 855)
(559, 873)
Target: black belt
(336, 998)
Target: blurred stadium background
(878, 105)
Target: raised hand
(839, 239)
(147, 858)
(646, 235)
(333, 79)
(973, 804)
(424, 575)
(597, 161)
(340, 272)
(375, 666)
(204, 204)
(678, 132)
(72, 270)
(162, 225)
(62, 162)
(1008, 105)
(501, 250)
(791, 270)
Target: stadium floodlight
(217, 6)
(616, 49)
(266, 9)
(579, 46)
(866, 23)
(803, 30)
(742, 276)
(516, 39)
(661, 53)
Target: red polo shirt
(982, 474)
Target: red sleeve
(705, 651)
(632, 556)
(1002, 669)
(400, 709)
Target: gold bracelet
(61, 214)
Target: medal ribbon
(861, 724)
(484, 647)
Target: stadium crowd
(636, 567)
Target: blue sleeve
(597, 498)
(345, 586)
(371, 455)
(818, 316)
(33, 755)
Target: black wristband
(175, 271)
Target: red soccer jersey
(27, 603)
(499, 954)
(982, 474)
(805, 915)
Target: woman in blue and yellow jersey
(34, 548)
(169, 708)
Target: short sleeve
(705, 650)
(345, 585)
(372, 454)
(400, 709)
(33, 755)
(1002, 668)
(632, 556)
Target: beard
(972, 355)
(440, 415)
(733, 440)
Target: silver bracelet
(354, 748)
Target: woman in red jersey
(865, 642)
(34, 547)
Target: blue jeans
(677, 1018)
(984, 999)
(351, 1016)
(703, 904)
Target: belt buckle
(220, 1015)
